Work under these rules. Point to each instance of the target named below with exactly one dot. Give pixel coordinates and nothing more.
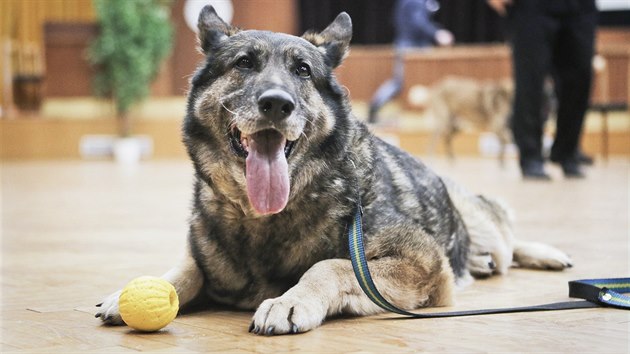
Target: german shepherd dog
(281, 167)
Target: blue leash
(596, 292)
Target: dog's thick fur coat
(281, 166)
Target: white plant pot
(127, 151)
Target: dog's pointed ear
(335, 39)
(212, 29)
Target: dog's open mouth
(266, 168)
(240, 142)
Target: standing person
(414, 29)
(554, 37)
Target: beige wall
(36, 52)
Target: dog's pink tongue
(267, 172)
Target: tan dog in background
(484, 104)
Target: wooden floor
(72, 232)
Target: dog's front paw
(108, 310)
(286, 314)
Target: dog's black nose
(276, 104)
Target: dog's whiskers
(227, 109)
(305, 136)
(231, 125)
(309, 120)
(303, 133)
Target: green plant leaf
(134, 39)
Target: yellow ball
(148, 303)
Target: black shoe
(571, 169)
(580, 156)
(571, 166)
(584, 159)
(534, 170)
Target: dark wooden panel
(67, 71)
(611, 83)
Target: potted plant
(135, 37)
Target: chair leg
(604, 115)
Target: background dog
(455, 101)
(281, 168)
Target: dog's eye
(303, 70)
(244, 63)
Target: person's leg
(533, 36)
(573, 73)
(389, 89)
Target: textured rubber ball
(148, 303)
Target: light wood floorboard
(72, 232)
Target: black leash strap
(596, 292)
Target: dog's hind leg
(436, 137)
(330, 287)
(540, 256)
(504, 140)
(451, 130)
(448, 144)
(490, 245)
(438, 116)
(488, 223)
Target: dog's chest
(257, 260)
(289, 249)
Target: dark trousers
(551, 37)
(390, 88)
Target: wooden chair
(603, 104)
